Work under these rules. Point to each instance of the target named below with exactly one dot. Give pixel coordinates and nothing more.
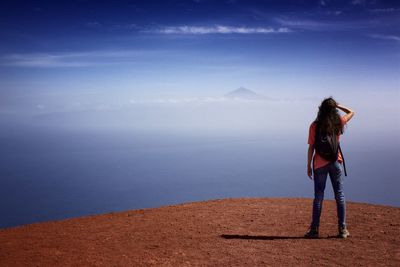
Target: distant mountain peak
(243, 93)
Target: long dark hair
(328, 119)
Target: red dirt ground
(230, 232)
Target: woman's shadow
(268, 237)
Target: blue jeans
(335, 173)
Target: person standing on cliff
(320, 163)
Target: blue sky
(60, 52)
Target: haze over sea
(112, 106)
(71, 164)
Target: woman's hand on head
(348, 111)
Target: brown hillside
(230, 232)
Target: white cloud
(170, 100)
(314, 25)
(76, 59)
(219, 29)
(174, 100)
(214, 99)
(307, 24)
(41, 61)
(190, 99)
(202, 100)
(386, 37)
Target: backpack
(328, 146)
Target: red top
(318, 160)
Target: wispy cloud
(384, 10)
(207, 99)
(94, 24)
(358, 2)
(386, 37)
(306, 24)
(334, 12)
(326, 25)
(219, 29)
(42, 60)
(76, 59)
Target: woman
(328, 123)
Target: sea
(54, 173)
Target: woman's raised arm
(349, 112)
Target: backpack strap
(315, 139)
(344, 162)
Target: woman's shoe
(343, 232)
(312, 233)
